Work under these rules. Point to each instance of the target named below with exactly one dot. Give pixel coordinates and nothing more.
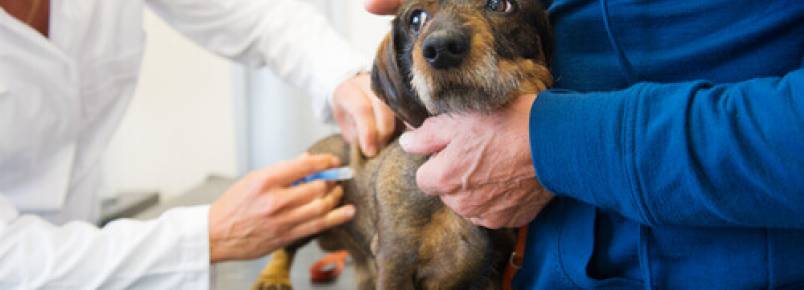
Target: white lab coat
(62, 98)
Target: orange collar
(517, 257)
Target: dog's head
(447, 56)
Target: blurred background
(197, 115)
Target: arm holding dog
(297, 43)
(690, 153)
(680, 168)
(290, 37)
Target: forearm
(167, 253)
(687, 153)
(290, 37)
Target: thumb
(428, 139)
(382, 7)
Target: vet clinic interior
(197, 121)
(694, 143)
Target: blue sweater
(674, 141)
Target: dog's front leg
(396, 263)
(276, 274)
(395, 269)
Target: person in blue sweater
(671, 149)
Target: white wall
(179, 127)
(195, 114)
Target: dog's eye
(417, 20)
(501, 6)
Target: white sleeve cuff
(192, 225)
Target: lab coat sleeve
(171, 252)
(290, 37)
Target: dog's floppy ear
(391, 82)
(546, 39)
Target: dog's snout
(445, 49)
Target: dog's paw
(272, 287)
(272, 284)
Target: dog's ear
(546, 39)
(391, 81)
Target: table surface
(240, 275)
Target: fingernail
(405, 140)
(335, 161)
(349, 210)
(320, 183)
(430, 192)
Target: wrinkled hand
(363, 118)
(382, 7)
(481, 165)
(263, 212)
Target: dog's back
(402, 238)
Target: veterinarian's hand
(481, 165)
(263, 212)
(382, 7)
(362, 117)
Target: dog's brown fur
(507, 58)
(402, 239)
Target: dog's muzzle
(446, 48)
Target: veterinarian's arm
(686, 154)
(289, 36)
(299, 45)
(257, 215)
(171, 252)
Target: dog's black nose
(445, 49)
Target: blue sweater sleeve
(690, 153)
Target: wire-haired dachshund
(442, 56)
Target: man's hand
(362, 117)
(263, 212)
(481, 165)
(382, 7)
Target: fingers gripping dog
(441, 56)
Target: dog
(441, 57)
